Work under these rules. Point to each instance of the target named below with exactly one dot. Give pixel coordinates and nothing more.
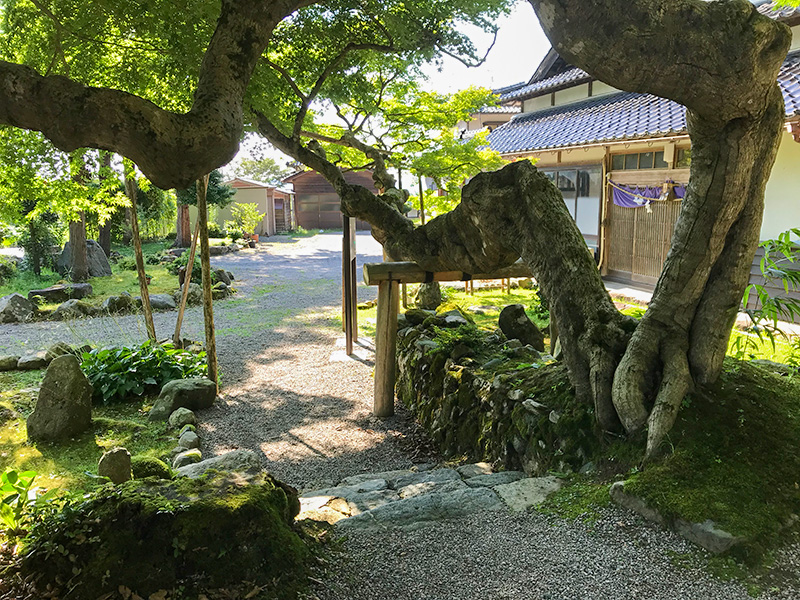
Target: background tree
(719, 59)
(218, 195)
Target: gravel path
(309, 417)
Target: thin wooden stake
(385, 340)
(130, 189)
(187, 279)
(205, 263)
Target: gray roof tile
(619, 116)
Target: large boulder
(60, 293)
(95, 257)
(195, 295)
(15, 308)
(147, 536)
(162, 302)
(515, 324)
(222, 275)
(9, 363)
(429, 296)
(64, 407)
(117, 304)
(194, 394)
(73, 309)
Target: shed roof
(616, 117)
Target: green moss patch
(734, 458)
(69, 465)
(187, 535)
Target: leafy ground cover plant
(118, 373)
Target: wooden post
(347, 282)
(385, 340)
(187, 279)
(421, 202)
(405, 296)
(130, 189)
(205, 263)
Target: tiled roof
(508, 88)
(486, 110)
(607, 118)
(777, 11)
(620, 116)
(568, 77)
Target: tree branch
(171, 149)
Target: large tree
(719, 59)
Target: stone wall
(486, 398)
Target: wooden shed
(316, 202)
(274, 202)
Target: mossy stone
(150, 535)
(149, 466)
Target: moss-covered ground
(72, 465)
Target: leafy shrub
(244, 219)
(152, 259)
(215, 231)
(171, 236)
(18, 498)
(197, 275)
(127, 263)
(149, 466)
(8, 269)
(118, 373)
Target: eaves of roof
(568, 78)
(616, 117)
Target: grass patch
(66, 465)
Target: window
(581, 189)
(638, 160)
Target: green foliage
(244, 219)
(17, 494)
(215, 231)
(261, 168)
(119, 373)
(448, 338)
(197, 274)
(776, 266)
(580, 499)
(8, 269)
(218, 194)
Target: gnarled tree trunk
(719, 59)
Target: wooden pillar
(349, 290)
(205, 263)
(385, 340)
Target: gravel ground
(531, 556)
(310, 419)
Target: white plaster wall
(601, 89)
(573, 94)
(782, 199)
(536, 104)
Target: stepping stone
(473, 470)
(493, 479)
(389, 476)
(428, 507)
(370, 500)
(435, 476)
(428, 487)
(349, 491)
(525, 493)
